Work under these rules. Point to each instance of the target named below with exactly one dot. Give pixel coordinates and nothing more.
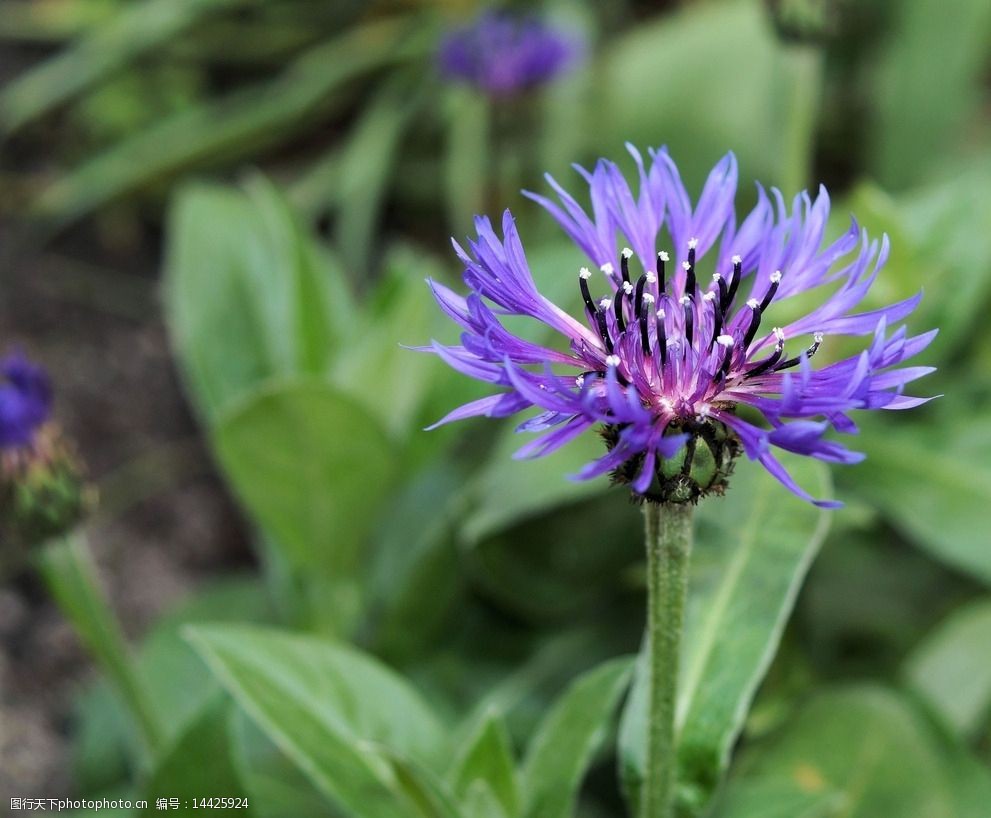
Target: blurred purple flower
(502, 53)
(666, 355)
(25, 401)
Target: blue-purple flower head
(680, 351)
(503, 53)
(25, 401)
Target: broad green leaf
(933, 483)
(951, 669)
(753, 549)
(248, 295)
(325, 705)
(242, 122)
(565, 743)
(198, 765)
(481, 802)
(108, 47)
(925, 97)
(488, 757)
(415, 579)
(312, 467)
(428, 792)
(852, 753)
(734, 61)
(275, 786)
(511, 491)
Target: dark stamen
(766, 364)
(661, 258)
(754, 323)
(727, 363)
(690, 276)
(586, 296)
(734, 284)
(662, 339)
(644, 337)
(775, 280)
(624, 264)
(807, 354)
(721, 283)
(686, 467)
(600, 319)
(717, 326)
(689, 320)
(638, 295)
(618, 310)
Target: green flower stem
(67, 568)
(669, 544)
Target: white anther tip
(737, 259)
(585, 273)
(608, 269)
(775, 276)
(580, 381)
(716, 277)
(651, 277)
(725, 340)
(661, 314)
(709, 296)
(779, 334)
(605, 303)
(686, 266)
(753, 303)
(626, 253)
(693, 243)
(612, 360)
(627, 287)
(817, 337)
(685, 300)
(663, 256)
(648, 298)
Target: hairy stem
(669, 542)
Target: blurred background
(215, 221)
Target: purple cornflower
(682, 368)
(25, 401)
(502, 53)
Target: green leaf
(488, 757)
(241, 123)
(565, 743)
(853, 753)
(951, 669)
(198, 766)
(275, 786)
(933, 482)
(925, 96)
(753, 549)
(248, 295)
(325, 705)
(125, 35)
(313, 468)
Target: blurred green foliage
(427, 599)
